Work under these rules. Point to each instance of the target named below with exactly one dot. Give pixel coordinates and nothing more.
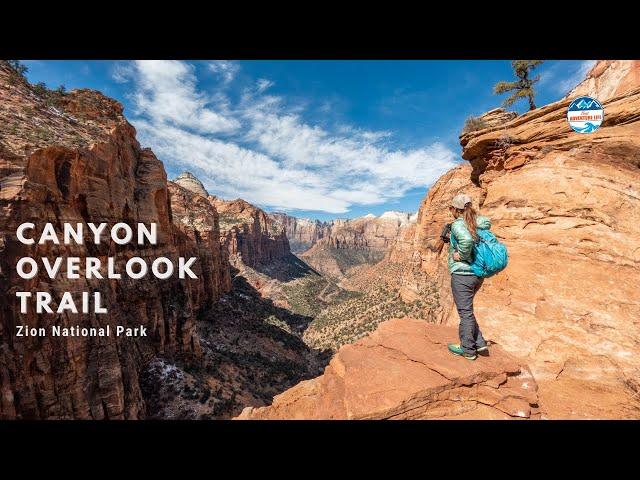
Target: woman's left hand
(456, 256)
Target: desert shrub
(20, 68)
(51, 97)
(473, 124)
(504, 141)
(40, 89)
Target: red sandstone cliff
(75, 158)
(249, 234)
(608, 79)
(566, 205)
(302, 232)
(403, 371)
(353, 244)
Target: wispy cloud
(263, 84)
(166, 91)
(122, 72)
(575, 77)
(225, 69)
(261, 148)
(563, 75)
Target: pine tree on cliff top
(521, 88)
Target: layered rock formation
(566, 205)
(199, 234)
(78, 161)
(368, 232)
(189, 182)
(496, 117)
(608, 79)
(302, 233)
(353, 243)
(249, 234)
(404, 371)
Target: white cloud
(263, 84)
(122, 72)
(269, 154)
(166, 91)
(578, 74)
(563, 75)
(225, 69)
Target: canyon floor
(280, 324)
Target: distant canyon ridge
(332, 247)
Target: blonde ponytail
(469, 215)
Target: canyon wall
(74, 158)
(566, 205)
(350, 244)
(302, 233)
(249, 234)
(608, 79)
(368, 232)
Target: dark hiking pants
(464, 288)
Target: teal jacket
(464, 244)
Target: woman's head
(461, 206)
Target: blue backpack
(489, 255)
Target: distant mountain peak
(402, 217)
(190, 182)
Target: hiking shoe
(482, 349)
(456, 349)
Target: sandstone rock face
(301, 232)
(189, 182)
(566, 205)
(368, 232)
(199, 234)
(79, 161)
(608, 79)
(355, 243)
(497, 117)
(249, 234)
(403, 370)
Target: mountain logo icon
(585, 115)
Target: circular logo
(585, 114)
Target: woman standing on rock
(462, 235)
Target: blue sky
(319, 139)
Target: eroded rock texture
(249, 234)
(188, 181)
(302, 233)
(76, 159)
(608, 79)
(566, 205)
(349, 245)
(404, 371)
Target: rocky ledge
(404, 371)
